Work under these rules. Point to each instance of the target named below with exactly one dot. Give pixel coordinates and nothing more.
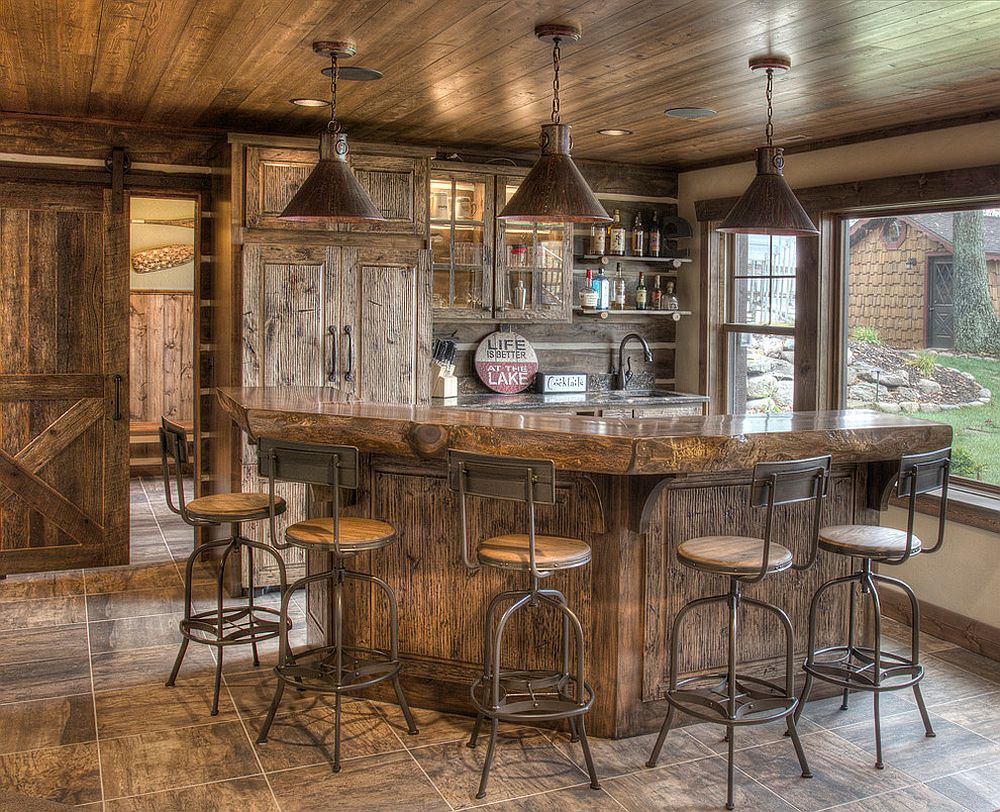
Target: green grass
(977, 428)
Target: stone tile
(120, 579)
(690, 787)
(918, 798)
(135, 632)
(240, 658)
(306, 737)
(751, 736)
(41, 585)
(906, 748)
(16, 801)
(618, 757)
(944, 682)
(977, 789)
(143, 709)
(43, 679)
(827, 713)
(68, 774)
(980, 715)
(167, 759)
(841, 773)
(578, 799)
(252, 691)
(31, 645)
(46, 723)
(30, 614)
(526, 763)
(896, 637)
(244, 794)
(151, 553)
(131, 667)
(390, 783)
(435, 727)
(973, 663)
(136, 603)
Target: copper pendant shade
(332, 193)
(555, 191)
(769, 206)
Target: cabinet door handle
(349, 372)
(118, 397)
(332, 330)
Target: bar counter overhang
(631, 488)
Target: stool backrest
(173, 457)
(335, 466)
(923, 473)
(508, 478)
(785, 483)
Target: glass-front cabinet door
(462, 220)
(534, 266)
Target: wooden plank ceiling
(464, 72)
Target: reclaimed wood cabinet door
(291, 329)
(385, 348)
(63, 378)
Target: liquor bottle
(638, 236)
(653, 241)
(640, 293)
(588, 294)
(619, 288)
(603, 287)
(598, 239)
(656, 296)
(617, 235)
(669, 298)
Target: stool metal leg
(851, 623)
(490, 750)
(734, 603)
(581, 726)
(474, 738)
(249, 553)
(282, 660)
(869, 586)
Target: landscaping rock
(782, 370)
(758, 364)
(907, 393)
(761, 405)
(866, 392)
(889, 408)
(909, 406)
(985, 394)
(761, 386)
(930, 407)
(928, 387)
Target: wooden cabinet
(485, 269)
(397, 185)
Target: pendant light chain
(556, 55)
(333, 125)
(769, 130)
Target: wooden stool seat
(511, 552)
(732, 555)
(356, 535)
(866, 541)
(233, 507)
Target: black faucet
(621, 376)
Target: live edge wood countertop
(662, 445)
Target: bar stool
(730, 698)
(223, 626)
(512, 695)
(868, 668)
(330, 669)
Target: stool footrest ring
(853, 667)
(240, 625)
(758, 701)
(531, 696)
(315, 669)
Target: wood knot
(428, 440)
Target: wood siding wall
(161, 356)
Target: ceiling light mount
(771, 62)
(615, 131)
(335, 48)
(554, 33)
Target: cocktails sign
(506, 362)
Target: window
(759, 325)
(922, 324)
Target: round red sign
(506, 362)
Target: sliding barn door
(63, 378)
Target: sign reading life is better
(506, 362)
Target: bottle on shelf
(641, 292)
(616, 235)
(619, 288)
(588, 293)
(670, 298)
(653, 240)
(602, 285)
(656, 295)
(599, 239)
(638, 236)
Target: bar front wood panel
(161, 356)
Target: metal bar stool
(868, 668)
(730, 698)
(224, 625)
(337, 668)
(524, 696)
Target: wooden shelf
(606, 259)
(604, 314)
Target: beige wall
(965, 575)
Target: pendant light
(332, 193)
(555, 191)
(769, 206)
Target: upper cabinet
(397, 184)
(486, 269)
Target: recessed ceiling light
(690, 113)
(614, 131)
(310, 102)
(353, 73)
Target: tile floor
(85, 720)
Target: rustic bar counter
(632, 488)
